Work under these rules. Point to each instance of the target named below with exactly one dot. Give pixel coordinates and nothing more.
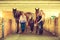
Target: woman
(23, 22)
(40, 19)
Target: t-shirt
(22, 18)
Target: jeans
(40, 28)
(23, 24)
(32, 27)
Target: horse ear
(36, 8)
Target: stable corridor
(10, 27)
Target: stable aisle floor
(45, 36)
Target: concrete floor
(29, 37)
(45, 36)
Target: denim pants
(23, 24)
(32, 27)
(40, 25)
(40, 28)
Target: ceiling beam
(29, 2)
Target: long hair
(41, 11)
